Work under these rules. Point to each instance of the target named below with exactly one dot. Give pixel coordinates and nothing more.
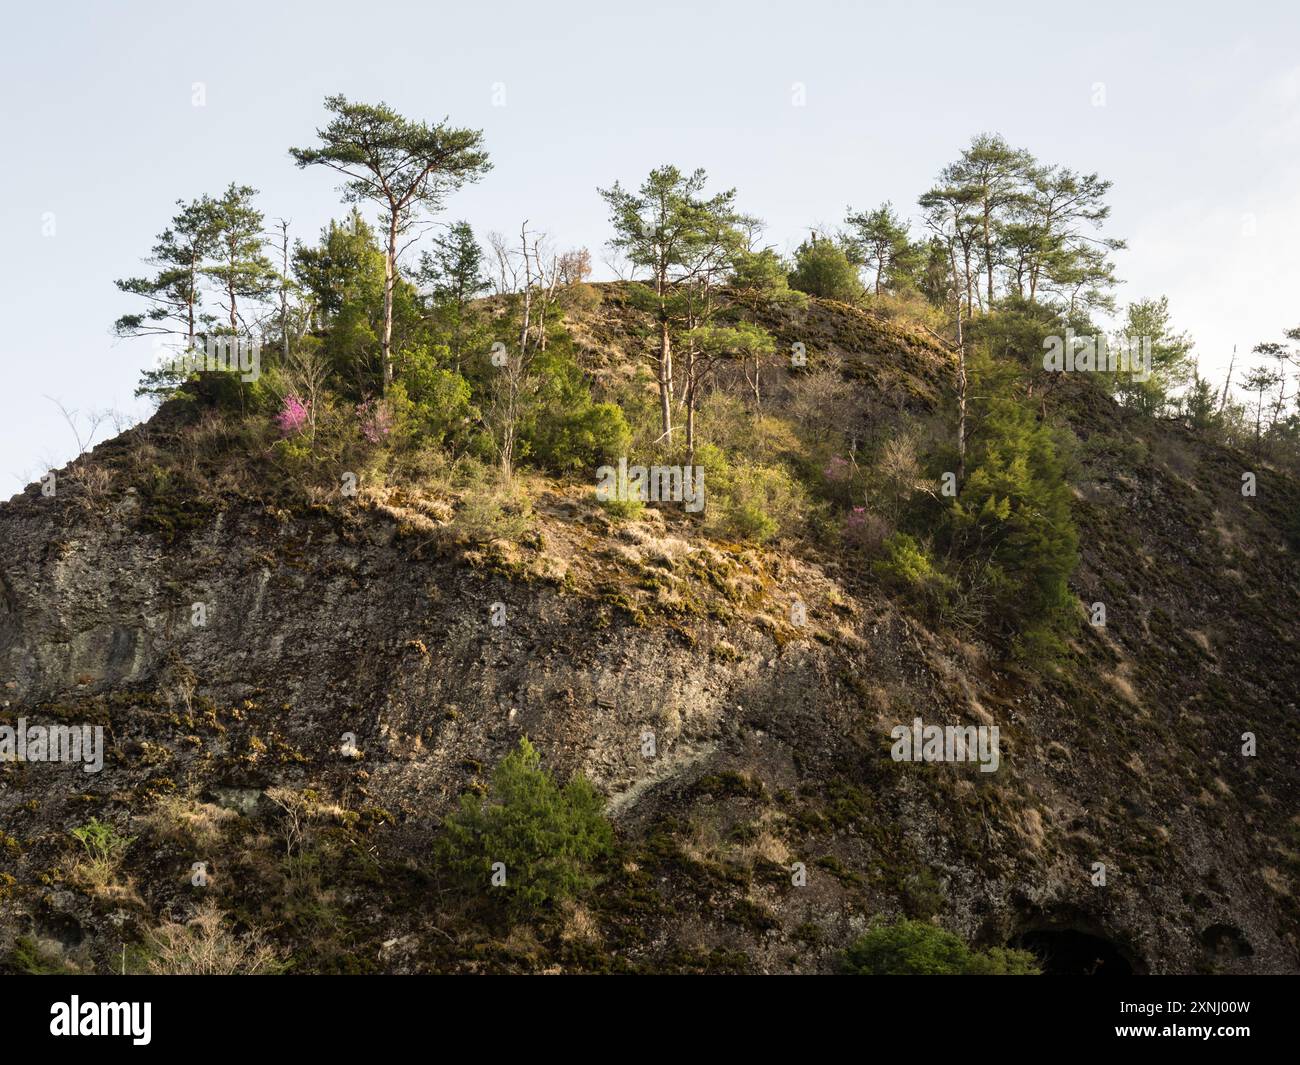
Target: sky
(109, 113)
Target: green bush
(321, 453)
(585, 439)
(1013, 512)
(564, 430)
(909, 569)
(916, 948)
(822, 268)
(101, 840)
(748, 500)
(761, 272)
(31, 959)
(493, 511)
(546, 836)
(431, 405)
(623, 509)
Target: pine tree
(879, 241)
(173, 294)
(453, 271)
(540, 838)
(823, 268)
(991, 177)
(1148, 328)
(401, 165)
(345, 267)
(1201, 405)
(1012, 515)
(1261, 380)
(668, 228)
(239, 267)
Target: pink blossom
(292, 416)
(837, 469)
(862, 529)
(376, 420)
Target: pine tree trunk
(191, 300)
(665, 367)
(690, 404)
(961, 404)
(284, 293)
(390, 279)
(230, 291)
(988, 255)
(665, 381)
(961, 373)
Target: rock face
(348, 623)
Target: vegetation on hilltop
(878, 405)
(959, 500)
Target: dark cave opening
(1068, 952)
(1225, 942)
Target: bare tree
(94, 419)
(528, 275)
(306, 369)
(574, 267)
(282, 224)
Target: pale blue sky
(1199, 132)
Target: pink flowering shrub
(863, 530)
(292, 416)
(838, 470)
(376, 420)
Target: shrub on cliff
(908, 568)
(822, 268)
(749, 500)
(563, 428)
(1013, 515)
(528, 841)
(916, 948)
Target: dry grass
(95, 480)
(1277, 883)
(708, 844)
(176, 819)
(206, 946)
(100, 877)
(766, 846)
(579, 925)
(1123, 686)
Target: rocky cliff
(734, 735)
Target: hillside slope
(772, 746)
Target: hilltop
(769, 662)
